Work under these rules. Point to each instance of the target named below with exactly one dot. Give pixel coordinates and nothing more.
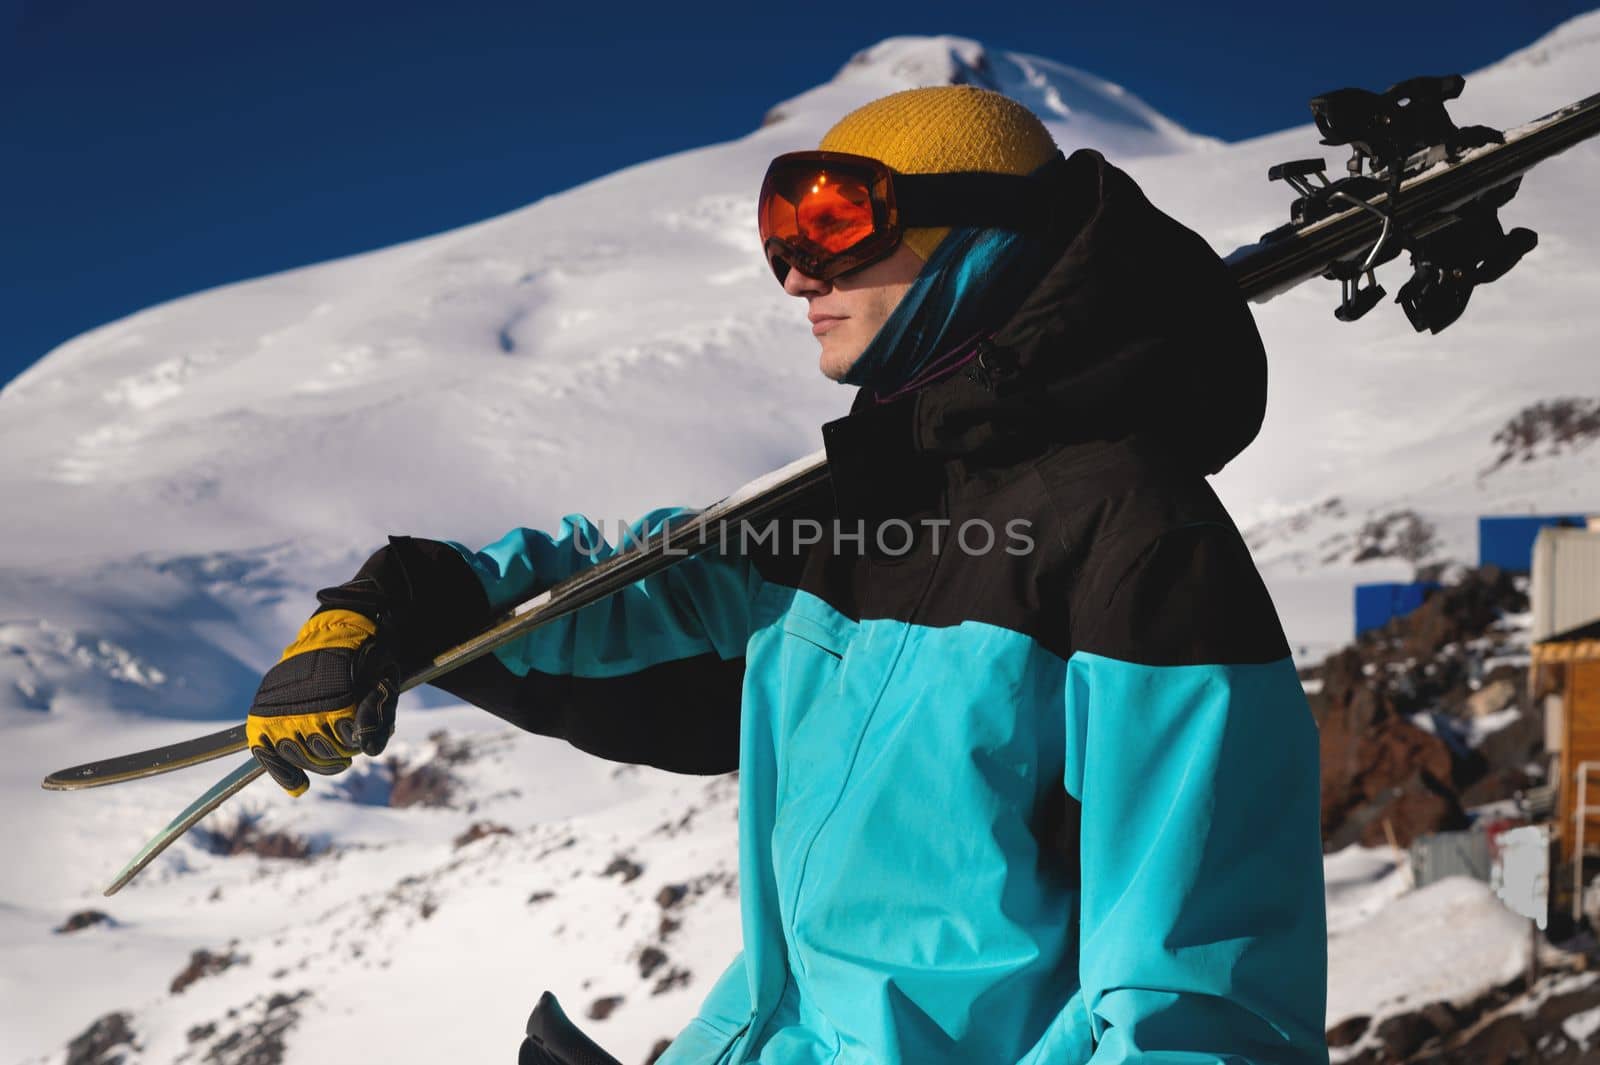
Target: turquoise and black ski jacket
(1042, 794)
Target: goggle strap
(975, 198)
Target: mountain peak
(1080, 109)
(922, 61)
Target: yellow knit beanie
(942, 129)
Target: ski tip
(141, 764)
(133, 868)
(215, 796)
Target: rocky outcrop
(261, 1032)
(1382, 772)
(1377, 767)
(203, 963)
(102, 1043)
(246, 836)
(1555, 1022)
(1547, 428)
(84, 919)
(428, 781)
(481, 830)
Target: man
(1026, 772)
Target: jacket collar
(1134, 328)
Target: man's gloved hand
(330, 697)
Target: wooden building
(1565, 675)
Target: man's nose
(796, 283)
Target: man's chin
(832, 366)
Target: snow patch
(1448, 941)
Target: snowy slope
(191, 473)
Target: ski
(149, 763)
(688, 533)
(1416, 182)
(219, 793)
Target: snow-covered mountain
(181, 480)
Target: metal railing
(1580, 813)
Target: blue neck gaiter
(944, 307)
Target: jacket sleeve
(651, 674)
(1193, 753)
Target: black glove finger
(287, 776)
(375, 717)
(345, 729)
(293, 753)
(324, 749)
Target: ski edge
(157, 760)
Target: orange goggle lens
(825, 213)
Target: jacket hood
(1135, 326)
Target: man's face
(846, 312)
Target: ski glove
(330, 697)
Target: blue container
(1377, 603)
(1507, 541)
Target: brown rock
(1552, 1011)
(1349, 1030)
(1443, 1018)
(651, 959)
(624, 867)
(1403, 1034)
(83, 919)
(1503, 1041)
(674, 979)
(1498, 784)
(479, 830)
(246, 837)
(603, 1007)
(429, 784)
(203, 963)
(94, 1044)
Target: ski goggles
(827, 213)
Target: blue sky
(155, 149)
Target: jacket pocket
(827, 637)
(700, 1043)
(810, 675)
(805, 617)
(814, 621)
